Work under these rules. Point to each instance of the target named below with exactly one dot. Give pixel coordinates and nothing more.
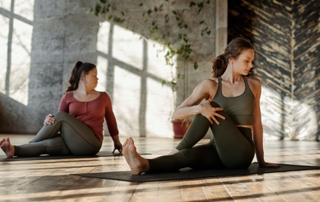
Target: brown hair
(76, 73)
(233, 50)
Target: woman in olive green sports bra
(228, 104)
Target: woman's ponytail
(79, 68)
(75, 77)
(219, 66)
(233, 50)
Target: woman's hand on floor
(117, 146)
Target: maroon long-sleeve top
(91, 113)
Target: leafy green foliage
(181, 47)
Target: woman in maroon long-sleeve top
(76, 129)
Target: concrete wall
(41, 40)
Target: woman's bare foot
(7, 147)
(137, 164)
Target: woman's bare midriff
(244, 126)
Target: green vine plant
(159, 21)
(169, 26)
(175, 46)
(184, 49)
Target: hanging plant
(168, 26)
(176, 46)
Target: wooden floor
(50, 180)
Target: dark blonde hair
(233, 50)
(76, 73)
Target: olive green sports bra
(239, 108)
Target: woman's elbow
(175, 115)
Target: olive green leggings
(231, 147)
(67, 136)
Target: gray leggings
(231, 147)
(67, 136)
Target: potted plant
(180, 126)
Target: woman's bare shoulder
(210, 82)
(254, 81)
(210, 87)
(254, 84)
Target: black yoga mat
(194, 174)
(46, 157)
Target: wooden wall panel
(285, 35)
(306, 65)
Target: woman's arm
(191, 106)
(117, 144)
(257, 126)
(112, 125)
(110, 118)
(63, 106)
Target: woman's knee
(61, 115)
(214, 104)
(58, 114)
(200, 117)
